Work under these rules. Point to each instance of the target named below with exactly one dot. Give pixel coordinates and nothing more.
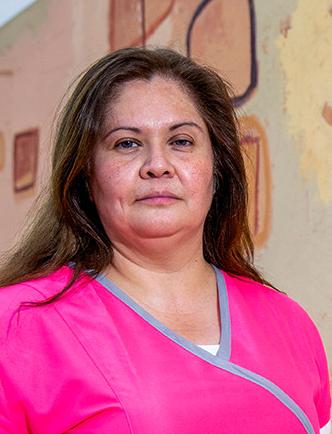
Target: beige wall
(41, 51)
(277, 56)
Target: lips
(158, 194)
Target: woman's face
(153, 168)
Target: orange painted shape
(132, 22)
(258, 168)
(125, 23)
(179, 18)
(155, 13)
(327, 113)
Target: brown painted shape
(258, 168)
(25, 159)
(2, 151)
(221, 37)
(133, 21)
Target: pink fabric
(88, 363)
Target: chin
(161, 229)
(152, 233)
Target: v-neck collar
(225, 340)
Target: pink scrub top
(96, 362)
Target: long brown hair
(66, 227)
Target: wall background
(277, 57)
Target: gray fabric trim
(272, 388)
(224, 351)
(221, 359)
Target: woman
(132, 305)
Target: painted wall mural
(25, 160)
(231, 30)
(305, 57)
(182, 24)
(229, 47)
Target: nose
(157, 164)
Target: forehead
(156, 100)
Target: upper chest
(151, 367)
(201, 327)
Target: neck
(166, 270)
(166, 254)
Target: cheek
(109, 180)
(109, 188)
(200, 178)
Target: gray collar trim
(221, 359)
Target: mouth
(163, 197)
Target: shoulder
(36, 290)
(26, 328)
(256, 293)
(272, 307)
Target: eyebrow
(171, 128)
(187, 123)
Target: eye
(126, 144)
(182, 143)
